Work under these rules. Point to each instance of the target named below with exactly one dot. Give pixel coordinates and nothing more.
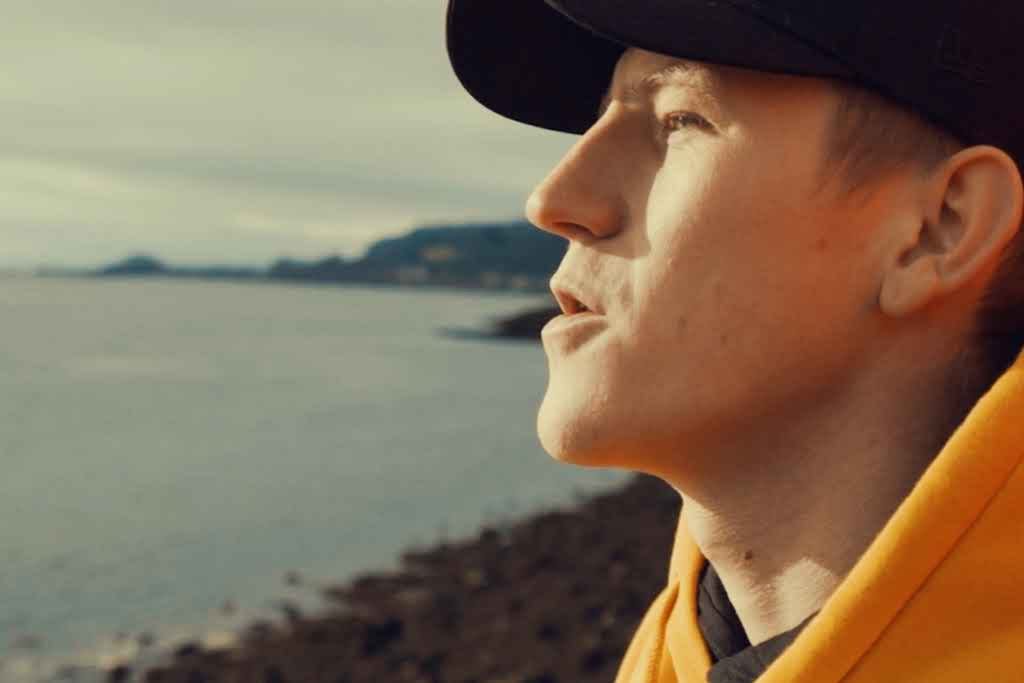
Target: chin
(575, 430)
(575, 436)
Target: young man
(793, 291)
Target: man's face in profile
(733, 281)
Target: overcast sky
(239, 131)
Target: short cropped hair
(871, 134)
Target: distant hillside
(140, 264)
(496, 255)
(479, 255)
(513, 248)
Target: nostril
(573, 232)
(553, 211)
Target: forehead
(636, 63)
(640, 74)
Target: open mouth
(570, 303)
(578, 308)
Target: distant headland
(493, 256)
(501, 256)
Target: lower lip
(573, 328)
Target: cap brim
(548, 63)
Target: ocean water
(171, 448)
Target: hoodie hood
(938, 596)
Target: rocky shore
(554, 598)
(525, 325)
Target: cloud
(160, 126)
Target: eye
(680, 120)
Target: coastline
(552, 598)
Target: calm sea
(169, 446)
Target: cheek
(724, 258)
(703, 246)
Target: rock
(409, 670)
(293, 578)
(447, 610)
(291, 611)
(526, 325)
(431, 665)
(594, 661)
(515, 605)
(543, 563)
(549, 631)
(229, 607)
(189, 649)
(316, 634)
(592, 612)
(272, 674)
(545, 677)
(379, 636)
(258, 631)
(412, 597)
(501, 624)
(120, 674)
(145, 639)
(474, 578)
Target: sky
(242, 131)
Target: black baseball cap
(548, 63)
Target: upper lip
(572, 298)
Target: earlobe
(971, 209)
(910, 288)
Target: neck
(806, 495)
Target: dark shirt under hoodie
(734, 659)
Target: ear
(971, 207)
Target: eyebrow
(651, 82)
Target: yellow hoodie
(938, 596)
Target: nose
(581, 199)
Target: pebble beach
(552, 598)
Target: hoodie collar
(911, 609)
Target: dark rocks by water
(120, 674)
(554, 598)
(526, 325)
